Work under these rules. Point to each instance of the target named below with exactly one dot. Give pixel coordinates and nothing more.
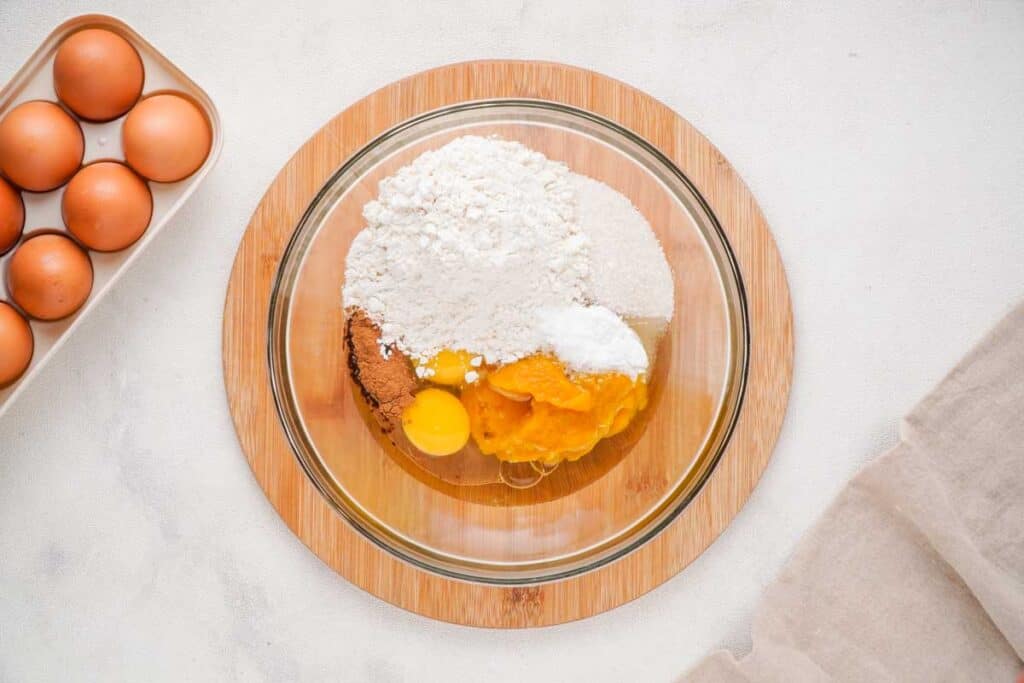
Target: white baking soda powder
(592, 339)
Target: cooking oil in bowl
(470, 514)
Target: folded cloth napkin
(916, 571)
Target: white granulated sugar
(630, 274)
(464, 245)
(592, 339)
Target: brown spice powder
(387, 384)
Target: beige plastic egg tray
(34, 81)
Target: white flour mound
(486, 246)
(629, 274)
(464, 245)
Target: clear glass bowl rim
(285, 277)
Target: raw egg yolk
(436, 422)
(449, 367)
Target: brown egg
(166, 138)
(16, 344)
(97, 74)
(106, 206)
(12, 216)
(49, 276)
(41, 146)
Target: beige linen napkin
(916, 571)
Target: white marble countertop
(885, 144)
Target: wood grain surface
(343, 548)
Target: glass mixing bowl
(584, 514)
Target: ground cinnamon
(386, 383)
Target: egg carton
(34, 81)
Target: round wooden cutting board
(342, 547)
